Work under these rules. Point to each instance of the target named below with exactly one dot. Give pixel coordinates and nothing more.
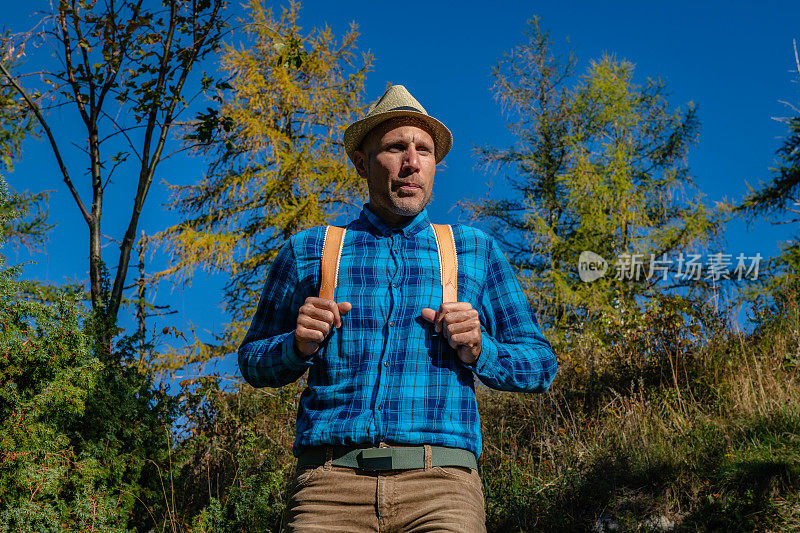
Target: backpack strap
(331, 255)
(445, 247)
(448, 261)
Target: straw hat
(397, 102)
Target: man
(388, 431)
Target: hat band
(404, 108)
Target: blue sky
(733, 59)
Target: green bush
(82, 431)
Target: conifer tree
(598, 165)
(778, 200)
(82, 435)
(278, 160)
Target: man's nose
(411, 160)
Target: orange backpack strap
(331, 255)
(445, 247)
(448, 261)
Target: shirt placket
(393, 273)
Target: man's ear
(360, 161)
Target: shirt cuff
(290, 358)
(488, 356)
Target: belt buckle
(377, 459)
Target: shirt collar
(410, 228)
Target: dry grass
(706, 438)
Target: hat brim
(355, 132)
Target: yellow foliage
(277, 160)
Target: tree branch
(35, 108)
(149, 164)
(76, 23)
(76, 91)
(796, 58)
(123, 131)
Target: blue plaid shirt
(386, 375)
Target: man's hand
(461, 326)
(314, 321)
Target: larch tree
(278, 163)
(598, 165)
(778, 200)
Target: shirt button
(395, 285)
(386, 363)
(380, 408)
(391, 323)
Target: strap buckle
(377, 459)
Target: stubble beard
(408, 209)
(399, 205)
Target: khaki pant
(337, 498)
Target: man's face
(397, 160)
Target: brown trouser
(338, 498)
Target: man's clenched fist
(314, 321)
(461, 326)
